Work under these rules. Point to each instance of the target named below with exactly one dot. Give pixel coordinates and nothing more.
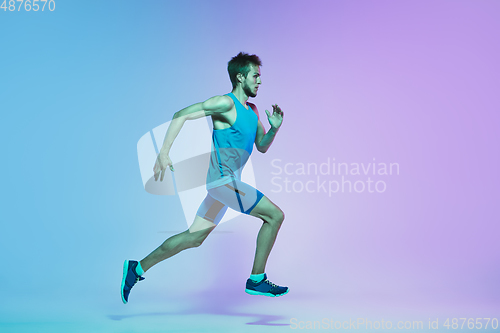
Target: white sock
(138, 269)
(257, 277)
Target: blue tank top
(232, 146)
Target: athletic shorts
(237, 195)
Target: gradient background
(408, 82)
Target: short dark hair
(241, 64)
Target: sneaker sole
(125, 271)
(253, 292)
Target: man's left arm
(264, 140)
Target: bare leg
(273, 218)
(193, 237)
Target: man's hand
(276, 118)
(162, 161)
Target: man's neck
(240, 95)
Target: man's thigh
(209, 213)
(237, 195)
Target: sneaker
(265, 288)
(130, 278)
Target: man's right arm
(214, 105)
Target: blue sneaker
(130, 278)
(265, 288)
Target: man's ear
(240, 77)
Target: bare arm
(264, 140)
(214, 105)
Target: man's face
(252, 81)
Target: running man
(236, 127)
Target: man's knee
(277, 216)
(194, 241)
(197, 242)
(281, 216)
(198, 237)
(268, 212)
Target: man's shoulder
(223, 99)
(220, 103)
(226, 101)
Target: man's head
(244, 71)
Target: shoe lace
(271, 284)
(139, 278)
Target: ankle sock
(138, 269)
(257, 277)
